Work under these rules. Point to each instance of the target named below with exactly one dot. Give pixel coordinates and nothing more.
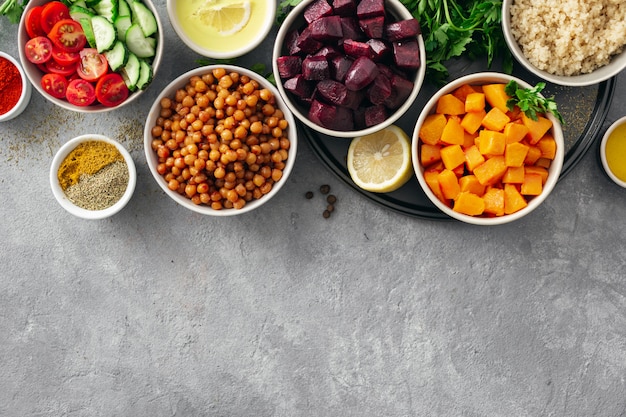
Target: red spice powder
(10, 85)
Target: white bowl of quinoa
(92, 176)
(567, 42)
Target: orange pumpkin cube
(470, 183)
(491, 171)
(495, 119)
(449, 104)
(432, 179)
(470, 204)
(494, 201)
(469, 140)
(536, 128)
(431, 129)
(534, 153)
(449, 184)
(533, 169)
(513, 200)
(514, 175)
(453, 133)
(452, 156)
(515, 154)
(491, 142)
(547, 145)
(515, 132)
(532, 184)
(463, 91)
(472, 121)
(429, 154)
(496, 96)
(543, 162)
(473, 158)
(475, 102)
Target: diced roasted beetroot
(406, 54)
(403, 29)
(339, 67)
(379, 90)
(315, 68)
(351, 29)
(331, 117)
(298, 86)
(362, 72)
(336, 93)
(400, 90)
(370, 8)
(326, 29)
(358, 116)
(344, 7)
(306, 43)
(329, 52)
(317, 9)
(384, 69)
(375, 115)
(379, 49)
(291, 39)
(289, 66)
(356, 49)
(373, 26)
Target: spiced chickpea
(221, 140)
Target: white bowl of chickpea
(219, 140)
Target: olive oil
(616, 152)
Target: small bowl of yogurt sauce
(613, 152)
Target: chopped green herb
(284, 7)
(530, 100)
(12, 9)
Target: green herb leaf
(12, 9)
(530, 100)
(284, 7)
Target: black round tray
(583, 108)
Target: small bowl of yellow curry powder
(93, 176)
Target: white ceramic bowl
(34, 74)
(617, 64)
(603, 151)
(27, 89)
(553, 172)
(295, 20)
(59, 194)
(257, 33)
(152, 158)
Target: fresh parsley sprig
(283, 9)
(530, 100)
(12, 9)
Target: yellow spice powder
(87, 158)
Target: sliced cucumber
(131, 71)
(79, 12)
(107, 8)
(123, 9)
(137, 43)
(104, 32)
(145, 74)
(117, 56)
(144, 17)
(85, 22)
(81, 3)
(91, 3)
(122, 23)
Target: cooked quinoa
(569, 37)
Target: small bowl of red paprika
(15, 89)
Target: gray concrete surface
(159, 311)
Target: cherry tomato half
(68, 35)
(32, 22)
(64, 58)
(80, 92)
(52, 13)
(92, 65)
(54, 84)
(111, 90)
(55, 68)
(38, 50)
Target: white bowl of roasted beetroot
(90, 58)
(350, 68)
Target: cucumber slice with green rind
(117, 56)
(145, 75)
(131, 71)
(107, 8)
(86, 25)
(144, 17)
(137, 43)
(123, 9)
(122, 23)
(79, 12)
(104, 33)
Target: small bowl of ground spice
(93, 176)
(15, 89)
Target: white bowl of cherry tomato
(90, 58)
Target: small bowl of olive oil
(222, 29)
(613, 152)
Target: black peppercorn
(309, 195)
(331, 199)
(326, 214)
(325, 189)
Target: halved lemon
(380, 162)
(226, 16)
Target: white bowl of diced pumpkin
(479, 158)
